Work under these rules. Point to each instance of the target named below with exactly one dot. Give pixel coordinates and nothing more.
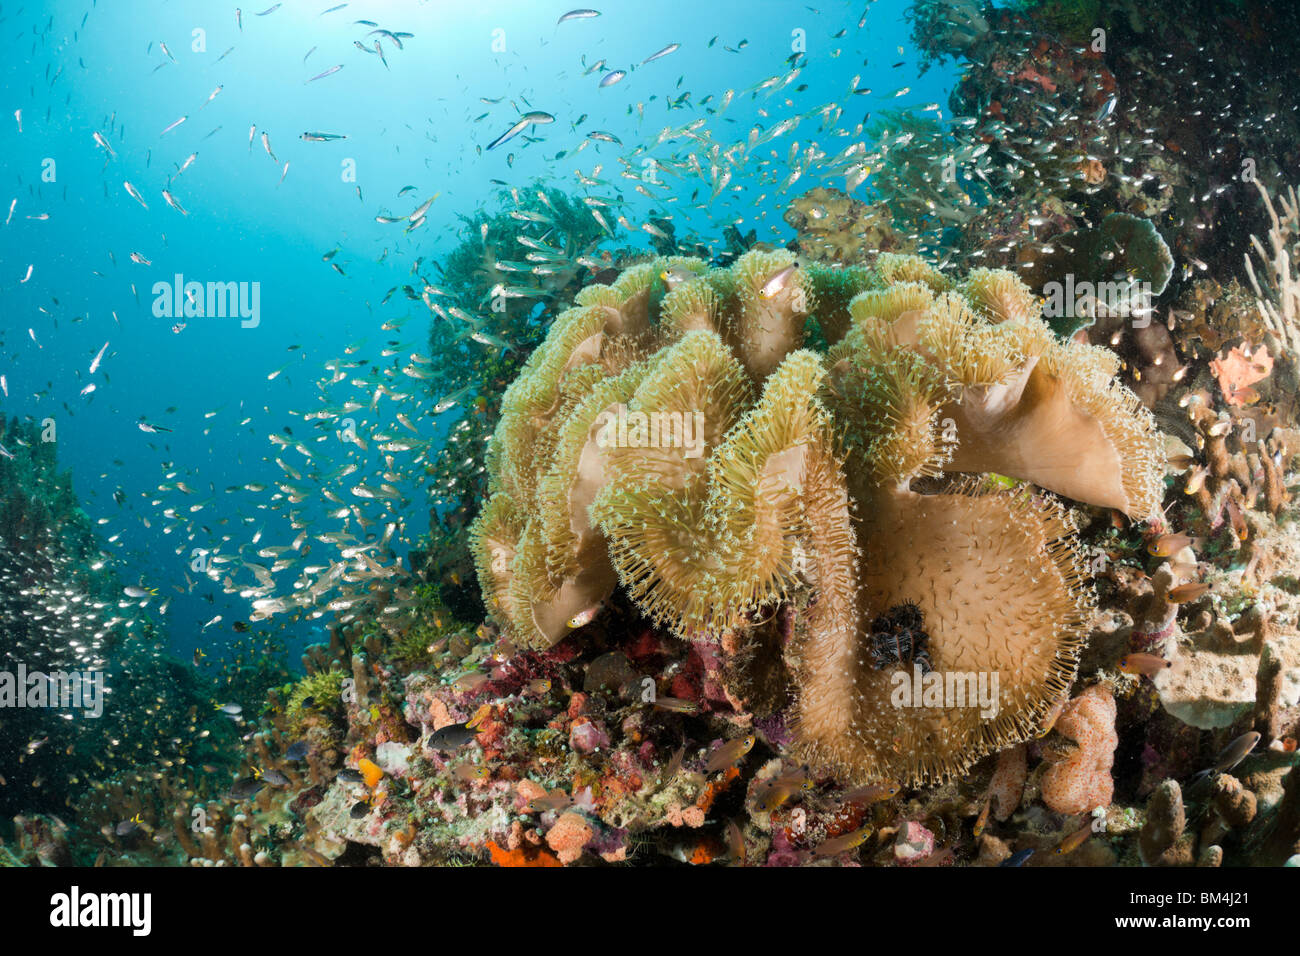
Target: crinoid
(897, 638)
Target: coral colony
(956, 527)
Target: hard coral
(835, 228)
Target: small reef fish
(842, 844)
(676, 276)
(1018, 858)
(873, 793)
(467, 772)
(135, 194)
(536, 117)
(670, 48)
(583, 618)
(173, 126)
(609, 79)
(773, 286)
(1074, 840)
(1233, 754)
(729, 754)
(1167, 545)
(94, 365)
(1186, 593)
(102, 143)
(1148, 665)
(246, 787)
(469, 682)
(423, 209)
(557, 799)
(771, 794)
(676, 705)
(578, 15)
(324, 73)
(322, 137)
(451, 737)
(171, 201)
(735, 843)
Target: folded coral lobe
(1059, 424)
(997, 582)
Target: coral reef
(830, 554)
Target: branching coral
(635, 450)
(1278, 292)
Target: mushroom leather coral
(1012, 399)
(673, 437)
(997, 579)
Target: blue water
(76, 68)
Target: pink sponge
(1080, 781)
